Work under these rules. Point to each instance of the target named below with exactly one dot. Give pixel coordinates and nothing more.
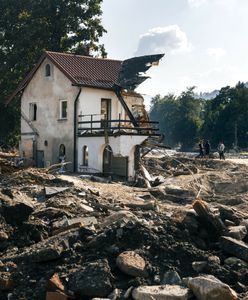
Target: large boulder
(161, 292)
(132, 264)
(237, 232)
(209, 287)
(92, 280)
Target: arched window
(61, 152)
(85, 156)
(107, 159)
(48, 70)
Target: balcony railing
(99, 125)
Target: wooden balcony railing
(97, 124)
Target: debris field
(182, 235)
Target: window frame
(61, 117)
(50, 70)
(33, 109)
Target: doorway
(105, 113)
(107, 160)
(40, 158)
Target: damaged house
(85, 110)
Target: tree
(27, 27)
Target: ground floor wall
(43, 152)
(122, 146)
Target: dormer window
(48, 72)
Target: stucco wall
(123, 145)
(46, 93)
(90, 103)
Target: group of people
(205, 148)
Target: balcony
(98, 125)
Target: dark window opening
(48, 70)
(63, 109)
(85, 156)
(107, 159)
(33, 111)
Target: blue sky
(205, 41)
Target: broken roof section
(132, 70)
(95, 72)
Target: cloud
(163, 39)
(196, 3)
(216, 52)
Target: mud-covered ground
(78, 233)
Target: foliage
(185, 119)
(27, 27)
(179, 117)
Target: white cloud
(216, 52)
(163, 39)
(196, 3)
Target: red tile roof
(87, 71)
(81, 70)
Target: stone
(3, 236)
(209, 287)
(213, 259)
(120, 217)
(54, 190)
(94, 279)
(171, 277)
(234, 247)
(237, 232)
(6, 282)
(234, 261)
(48, 254)
(55, 283)
(132, 264)
(161, 292)
(199, 266)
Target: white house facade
(74, 109)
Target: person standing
(221, 149)
(201, 153)
(207, 148)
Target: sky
(205, 41)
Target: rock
(234, 247)
(213, 259)
(6, 282)
(131, 264)
(209, 287)
(171, 277)
(234, 261)
(229, 223)
(199, 266)
(55, 283)
(48, 254)
(54, 190)
(92, 280)
(237, 232)
(120, 217)
(3, 240)
(17, 210)
(161, 292)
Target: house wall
(90, 103)
(46, 93)
(123, 145)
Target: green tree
(27, 27)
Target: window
(33, 111)
(85, 156)
(63, 109)
(48, 70)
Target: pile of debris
(65, 237)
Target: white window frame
(61, 109)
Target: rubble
(66, 237)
